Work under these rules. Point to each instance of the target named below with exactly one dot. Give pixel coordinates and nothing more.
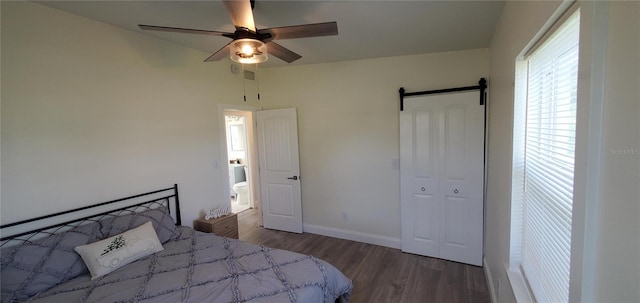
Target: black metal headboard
(31, 229)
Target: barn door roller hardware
(482, 86)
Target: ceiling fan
(249, 44)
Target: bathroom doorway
(239, 139)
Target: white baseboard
(487, 275)
(352, 235)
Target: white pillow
(107, 255)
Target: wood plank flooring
(379, 274)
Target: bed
(134, 249)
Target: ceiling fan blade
(183, 30)
(220, 54)
(282, 52)
(241, 14)
(302, 31)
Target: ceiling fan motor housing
(245, 33)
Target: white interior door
(279, 169)
(441, 172)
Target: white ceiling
(367, 29)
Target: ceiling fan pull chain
(244, 87)
(258, 80)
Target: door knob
(293, 178)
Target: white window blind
(548, 163)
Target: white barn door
(279, 169)
(441, 176)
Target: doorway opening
(239, 138)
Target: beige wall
(617, 272)
(348, 129)
(607, 181)
(92, 112)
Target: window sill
(519, 286)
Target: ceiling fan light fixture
(248, 51)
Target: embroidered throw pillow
(107, 255)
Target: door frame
(253, 174)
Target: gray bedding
(200, 267)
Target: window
(543, 165)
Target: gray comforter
(201, 267)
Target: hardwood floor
(379, 274)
